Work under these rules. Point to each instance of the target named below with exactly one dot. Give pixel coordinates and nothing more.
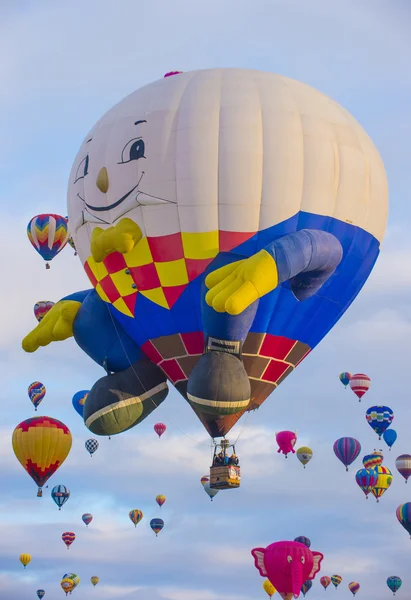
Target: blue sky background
(62, 66)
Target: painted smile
(110, 206)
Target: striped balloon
(384, 480)
(135, 516)
(403, 513)
(36, 392)
(379, 418)
(60, 495)
(336, 580)
(325, 581)
(205, 479)
(394, 583)
(48, 234)
(41, 308)
(156, 525)
(370, 461)
(68, 538)
(346, 449)
(366, 479)
(160, 499)
(345, 378)
(306, 586)
(354, 587)
(403, 464)
(360, 383)
(87, 518)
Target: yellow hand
(120, 238)
(234, 287)
(55, 326)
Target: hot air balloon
(211, 492)
(30, 436)
(36, 391)
(384, 480)
(156, 525)
(48, 234)
(91, 446)
(347, 449)
(403, 464)
(159, 428)
(204, 479)
(60, 495)
(41, 594)
(73, 577)
(71, 243)
(287, 565)
(403, 513)
(135, 516)
(360, 383)
(303, 540)
(304, 455)
(336, 580)
(78, 401)
(370, 461)
(379, 418)
(389, 437)
(325, 581)
(345, 378)
(306, 586)
(41, 308)
(286, 441)
(68, 538)
(274, 228)
(394, 583)
(269, 588)
(87, 518)
(353, 587)
(25, 559)
(67, 585)
(366, 480)
(160, 499)
(94, 580)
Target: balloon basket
(39, 493)
(47, 266)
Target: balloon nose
(102, 180)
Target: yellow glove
(234, 287)
(120, 238)
(55, 326)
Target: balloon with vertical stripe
(384, 480)
(347, 449)
(394, 583)
(345, 378)
(403, 513)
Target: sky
(62, 65)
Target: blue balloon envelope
(389, 436)
(78, 401)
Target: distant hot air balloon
(94, 580)
(389, 437)
(70, 242)
(156, 525)
(87, 518)
(48, 234)
(366, 479)
(68, 538)
(306, 586)
(67, 585)
(41, 308)
(73, 577)
(325, 581)
(304, 455)
(379, 418)
(303, 540)
(269, 588)
(336, 580)
(360, 383)
(211, 492)
(353, 587)
(345, 378)
(91, 446)
(286, 441)
(204, 479)
(384, 480)
(346, 449)
(403, 464)
(60, 495)
(78, 401)
(31, 436)
(159, 428)
(394, 583)
(135, 516)
(370, 461)
(36, 391)
(160, 499)
(403, 513)
(41, 594)
(25, 559)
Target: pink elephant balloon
(287, 565)
(286, 441)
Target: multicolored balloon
(60, 495)
(48, 234)
(204, 479)
(78, 401)
(347, 449)
(135, 516)
(211, 492)
(384, 480)
(379, 418)
(160, 499)
(156, 525)
(73, 577)
(286, 441)
(394, 583)
(306, 586)
(345, 378)
(336, 580)
(269, 588)
(94, 580)
(70, 242)
(389, 437)
(403, 513)
(87, 518)
(325, 581)
(31, 436)
(41, 308)
(303, 540)
(370, 461)
(360, 384)
(159, 428)
(68, 538)
(36, 391)
(41, 594)
(403, 465)
(366, 480)
(91, 446)
(353, 587)
(24, 559)
(67, 585)
(304, 455)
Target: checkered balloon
(91, 446)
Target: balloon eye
(82, 169)
(289, 559)
(133, 150)
(303, 559)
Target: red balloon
(287, 565)
(286, 442)
(159, 428)
(325, 581)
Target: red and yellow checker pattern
(159, 268)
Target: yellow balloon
(67, 585)
(94, 580)
(269, 588)
(25, 559)
(304, 455)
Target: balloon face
(347, 449)
(384, 480)
(78, 401)
(345, 378)
(303, 540)
(360, 383)
(156, 525)
(403, 513)
(60, 495)
(42, 308)
(146, 168)
(48, 234)
(36, 392)
(91, 446)
(135, 516)
(379, 418)
(403, 464)
(366, 479)
(286, 441)
(87, 518)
